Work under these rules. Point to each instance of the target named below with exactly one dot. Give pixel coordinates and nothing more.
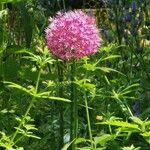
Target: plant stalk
(88, 119)
(61, 111)
(74, 106)
(28, 109)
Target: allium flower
(72, 35)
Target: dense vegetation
(100, 102)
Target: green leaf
(3, 12)
(43, 96)
(20, 148)
(33, 136)
(30, 127)
(20, 130)
(129, 89)
(85, 148)
(10, 1)
(4, 111)
(146, 134)
(85, 84)
(90, 67)
(17, 86)
(121, 124)
(130, 148)
(137, 120)
(102, 140)
(67, 145)
(110, 57)
(108, 70)
(125, 109)
(147, 123)
(53, 98)
(80, 140)
(126, 131)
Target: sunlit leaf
(103, 139)
(137, 120)
(121, 124)
(10, 1)
(66, 146)
(80, 140)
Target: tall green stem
(88, 119)
(87, 114)
(28, 109)
(61, 111)
(64, 5)
(3, 24)
(74, 106)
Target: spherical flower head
(72, 35)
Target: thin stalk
(74, 106)
(88, 116)
(64, 5)
(60, 92)
(88, 119)
(1, 6)
(84, 3)
(61, 111)
(131, 65)
(28, 109)
(58, 3)
(18, 139)
(131, 57)
(3, 22)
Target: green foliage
(27, 129)
(31, 92)
(27, 18)
(112, 87)
(10, 1)
(130, 148)
(138, 126)
(66, 146)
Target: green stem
(88, 119)
(3, 22)
(74, 106)
(28, 109)
(61, 111)
(64, 5)
(58, 3)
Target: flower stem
(61, 111)
(28, 109)
(88, 119)
(64, 5)
(74, 106)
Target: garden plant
(74, 74)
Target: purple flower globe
(72, 35)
